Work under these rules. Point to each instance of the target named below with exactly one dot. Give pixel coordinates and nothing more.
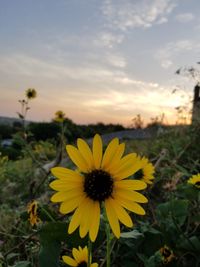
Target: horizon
(98, 61)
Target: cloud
(29, 66)
(108, 39)
(184, 17)
(166, 63)
(129, 14)
(171, 50)
(100, 93)
(115, 60)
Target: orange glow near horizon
(115, 107)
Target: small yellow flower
(32, 211)
(59, 116)
(101, 181)
(31, 93)
(167, 254)
(80, 258)
(146, 171)
(195, 180)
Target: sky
(98, 60)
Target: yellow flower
(80, 258)
(167, 254)
(32, 211)
(31, 93)
(145, 172)
(195, 180)
(100, 180)
(59, 116)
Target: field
(167, 235)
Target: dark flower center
(166, 253)
(33, 209)
(197, 184)
(98, 185)
(82, 264)
(139, 174)
(30, 94)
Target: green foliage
(44, 130)
(172, 215)
(6, 131)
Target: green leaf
(179, 210)
(174, 210)
(12, 255)
(188, 191)
(154, 261)
(23, 264)
(51, 236)
(49, 254)
(192, 243)
(132, 234)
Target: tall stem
(89, 252)
(108, 239)
(62, 139)
(108, 245)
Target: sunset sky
(97, 60)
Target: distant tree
(6, 131)
(43, 130)
(137, 122)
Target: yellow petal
(64, 195)
(112, 218)
(94, 228)
(77, 255)
(62, 185)
(126, 161)
(131, 184)
(131, 195)
(77, 158)
(109, 152)
(85, 152)
(69, 261)
(86, 219)
(70, 204)
(94, 265)
(76, 218)
(132, 206)
(127, 171)
(85, 253)
(66, 174)
(121, 213)
(97, 151)
(117, 157)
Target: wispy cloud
(129, 14)
(108, 39)
(100, 93)
(166, 54)
(185, 17)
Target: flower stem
(108, 239)
(89, 252)
(108, 245)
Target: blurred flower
(167, 254)
(146, 171)
(195, 180)
(101, 180)
(31, 93)
(59, 116)
(80, 258)
(32, 211)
